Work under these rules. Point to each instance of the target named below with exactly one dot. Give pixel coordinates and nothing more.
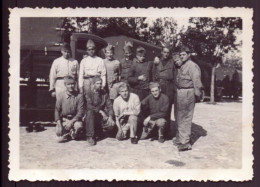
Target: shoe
(161, 139)
(91, 141)
(176, 142)
(184, 147)
(134, 140)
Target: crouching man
(157, 106)
(127, 108)
(99, 118)
(69, 111)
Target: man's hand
(142, 78)
(146, 121)
(156, 60)
(105, 117)
(68, 124)
(110, 121)
(53, 94)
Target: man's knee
(78, 125)
(161, 122)
(132, 120)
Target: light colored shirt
(92, 66)
(132, 106)
(62, 67)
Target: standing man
(127, 108)
(157, 106)
(99, 118)
(113, 68)
(69, 112)
(140, 74)
(127, 61)
(91, 66)
(164, 73)
(61, 67)
(188, 82)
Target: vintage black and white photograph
(130, 92)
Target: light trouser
(75, 129)
(160, 124)
(131, 124)
(185, 103)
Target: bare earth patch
(217, 132)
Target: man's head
(109, 52)
(184, 53)
(165, 53)
(155, 89)
(91, 48)
(69, 83)
(97, 83)
(123, 90)
(65, 50)
(128, 50)
(177, 59)
(140, 54)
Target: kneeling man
(127, 108)
(157, 106)
(69, 111)
(100, 113)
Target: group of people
(132, 95)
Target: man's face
(156, 91)
(140, 56)
(128, 55)
(70, 87)
(124, 93)
(184, 56)
(109, 55)
(91, 51)
(65, 53)
(165, 53)
(98, 85)
(177, 60)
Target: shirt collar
(68, 94)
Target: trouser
(95, 125)
(185, 103)
(76, 129)
(159, 124)
(129, 124)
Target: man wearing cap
(99, 118)
(113, 68)
(127, 61)
(69, 111)
(126, 108)
(164, 73)
(188, 82)
(91, 66)
(157, 107)
(61, 67)
(140, 74)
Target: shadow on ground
(197, 131)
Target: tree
(212, 37)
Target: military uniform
(96, 101)
(125, 66)
(60, 68)
(139, 87)
(69, 106)
(188, 83)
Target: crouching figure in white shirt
(126, 108)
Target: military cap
(140, 49)
(110, 47)
(128, 46)
(69, 80)
(66, 47)
(91, 44)
(96, 78)
(154, 84)
(184, 49)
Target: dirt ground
(216, 133)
